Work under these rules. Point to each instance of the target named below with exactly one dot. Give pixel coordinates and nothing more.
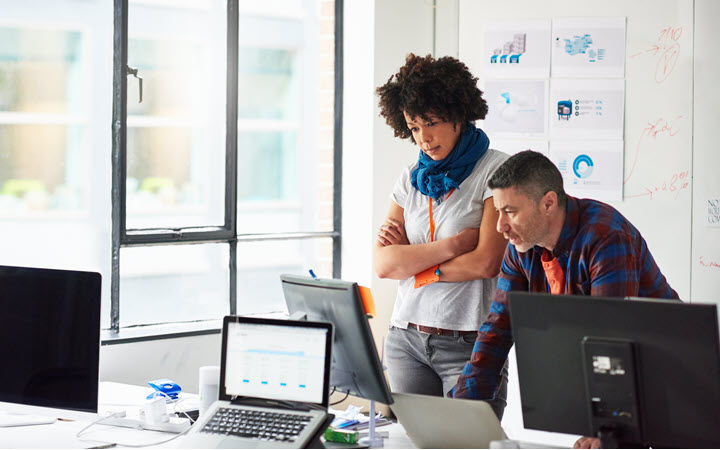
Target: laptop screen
(278, 360)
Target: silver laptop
(274, 386)
(439, 422)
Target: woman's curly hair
(425, 86)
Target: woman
(439, 238)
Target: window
(176, 131)
(192, 170)
(43, 121)
(55, 116)
(229, 163)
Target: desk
(61, 434)
(115, 397)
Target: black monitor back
(356, 367)
(49, 337)
(677, 357)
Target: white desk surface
(61, 434)
(115, 397)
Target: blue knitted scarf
(437, 178)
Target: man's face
(521, 220)
(435, 137)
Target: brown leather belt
(440, 331)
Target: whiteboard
(661, 160)
(706, 155)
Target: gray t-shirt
(461, 305)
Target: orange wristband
(427, 276)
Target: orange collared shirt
(553, 272)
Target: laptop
(274, 386)
(439, 422)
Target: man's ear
(549, 202)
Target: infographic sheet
(558, 87)
(590, 169)
(516, 108)
(585, 47)
(516, 49)
(587, 109)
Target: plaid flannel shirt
(602, 254)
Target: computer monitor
(634, 372)
(49, 338)
(356, 367)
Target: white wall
(358, 156)
(177, 359)
(706, 158)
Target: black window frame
(122, 237)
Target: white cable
(111, 415)
(122, 414)
(175, 405)
(135, 445)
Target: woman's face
(434, 137)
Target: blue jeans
(421, 363)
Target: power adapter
(153, 416)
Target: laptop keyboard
(254, 424)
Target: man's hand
(587, 442)
(392, 232)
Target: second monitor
(642, 372)
(356, 367)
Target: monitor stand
(610, 375)
(372, 440)
(608, 437)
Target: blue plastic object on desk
(167, 388)
(347, 423)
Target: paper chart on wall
(516, 108)
(590, 169)
(516, 49)
(712, 216)
(513, 146)
(586, 47)
(587, 109)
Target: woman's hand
(467, 240)
(397, 259)
(392, 232)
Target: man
(558, 244)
